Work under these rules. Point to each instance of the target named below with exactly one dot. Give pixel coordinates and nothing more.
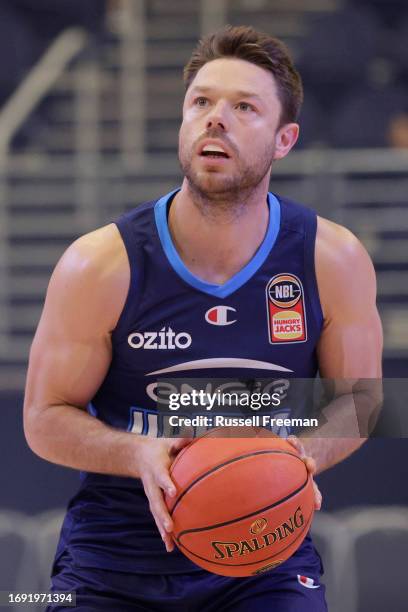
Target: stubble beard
(217, 193)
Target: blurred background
(90, 105)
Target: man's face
(231, 116)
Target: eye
(245, 107)
(201, 101)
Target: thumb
(180, 443)
(164, 481)
(296, 443)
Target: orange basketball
(243, 505)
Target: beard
(225, 186)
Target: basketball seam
(220, 465)
(205, 435)
(224, 565)
(241, 518)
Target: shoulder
(100, 252)
(336, 241)
(338, 248)
(295, 213)
(94, 271)
(344, 270)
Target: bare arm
(71, 354)
(350, 345)
(69, 359)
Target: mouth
(214, 155)
(213, 151)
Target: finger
(150, 496)
(164, 481)
(179, 443)
(296, 443)
(165, 536)
(159, 508)
(168, 542)
(309, 461)
(310, 464)
(161, 517)
(318, 496)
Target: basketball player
(131, 300)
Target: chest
(267, 324)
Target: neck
(217, 237)
(224, 208)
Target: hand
(155, 456)
(310, 464)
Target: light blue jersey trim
(239, 279)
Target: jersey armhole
(126, 233)
(310, 267)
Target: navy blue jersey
(264, 322)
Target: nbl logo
(285, 291)
(286, 309)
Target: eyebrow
(240, 93)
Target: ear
(285, 138)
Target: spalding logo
(228, 550)
(258, 526)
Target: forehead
(235, 75)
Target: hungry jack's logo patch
(285, 306)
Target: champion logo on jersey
(219, 315)
(309, 583)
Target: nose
(218, 117)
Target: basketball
(243, 505)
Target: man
(131, 301)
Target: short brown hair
(246, 43)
